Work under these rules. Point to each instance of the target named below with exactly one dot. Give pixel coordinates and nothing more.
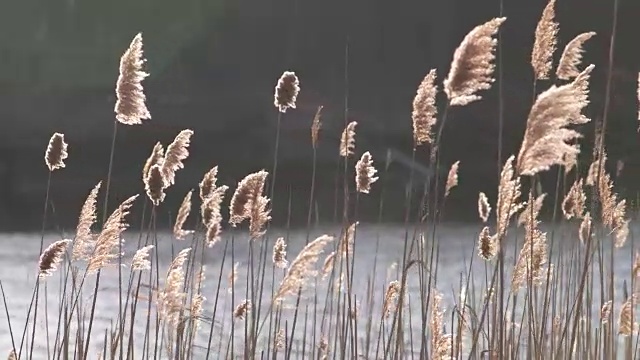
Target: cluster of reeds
(308, 306)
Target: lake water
(375, 244)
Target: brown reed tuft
(626, 321)
(315, 127)
(156, 158)
(280, 253)
(208, 183)
(348, 139)
(484, 209)
(287, 90)
(130, 107)
(56, 152)
(51, 257)
(242, 310)
(472, 66)
(183, 213)
(532, 211)
(547, 140)
(12, 355)
(452, 178)
(365, 173)
(108, 241)
(171, 297)
(391, 295)
(440, 343)
(329, 263)
(605, 312)
(155, 185)
(545, 42)
(574, 202)
(196, 310)
(246, 194)
(280, 340)
(211, 216)
(176, 153)
(140, 259)
(260, 215)
(572, 57)
(487, 244)
(508, 195)
(302, 268)
(84, 240)
(425, 110)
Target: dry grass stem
(176, 153)
(51, 257)
(280, 253)
(452, 178)
(545, 41)
(130, 106)
(425, 110)
(348, 140)
(472, 66)
(315, 127)
(302, 268)
(56, 152)
(140, 259)
(108, 241)
(365, 173)
(547, 140)
(572, 57)
(84, 240)
(484, 209)
(183, 213)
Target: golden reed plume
(302, 268)
(208, 183)
(56, 152)
(487, 244)
(390, 297)
(280, 253)
(547, 140)
(627, 325)
(170, 299)
(574, 202)
(241, 311)
(484, 209)
(440, 343)
(572, 57)
(130, 106)
(248, 191)
(365, 173)
(211, 215)
(155, 185)
(183, 213)
(545, 42)
(51, 257)
(156, 158)
(425, 110)
(176, 153)
(315, 127)
(472, 66)
(140, 259)
(452, 178)
(286, 92)
(348, 139)
(84, 241)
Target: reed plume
(391, 296)
(440, 343)
(183, 213)
(425, 110)
(348, 140)
(365, 173)
(508, 195)
(176, 153)
(545, 42)
(56, 152)
(472, 66)
(329, 263)
(84, 239)
(140, 259)
(452, 178)
(547, 140)
(172, 295)
(302, 268)
(280, 253)
(487, 244)
(260, 215)
(130, 106)
(244, 199)
(574, 202)
(51, 257)
(626, 321)
(286, 92)
(110, 237)
(156, 158)
(208, 183)
(155, 185)
(484, 209)
(241, 311)
(605, 312)
(211, 215)
(572, 57)
(12, 355)
(315, 127)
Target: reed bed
(557, 294)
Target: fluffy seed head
(452, 178)
(140, 259)
(348, 140)
(280, 254)
(365, 173)
(484, 209)
(242, 309)
(130, 106)
(208, 183)
(56, 152)
(83, 241)
(572, 57)
(249, 190)
(487, 244)
(155, 185)
(183, 213)
(315, 126)
(176, 153)
(156, 158)
(287, 91)
(424, 109)
(51, 257)
(545, 42)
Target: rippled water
(376, 246)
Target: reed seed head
(130, 106)
(280, 253)
(315, 127)
(452, 178)
(156, 158)
(484, 209)
(287, 91)
(56, 152)
(84, 239)
(424, 109)
(140, 259)
(183, 213)
(176, 153)
(365, 173)
(348, 140)
(545, 42)
(572, 57)
(155, 185)
(51, 257)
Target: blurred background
(214, 65)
